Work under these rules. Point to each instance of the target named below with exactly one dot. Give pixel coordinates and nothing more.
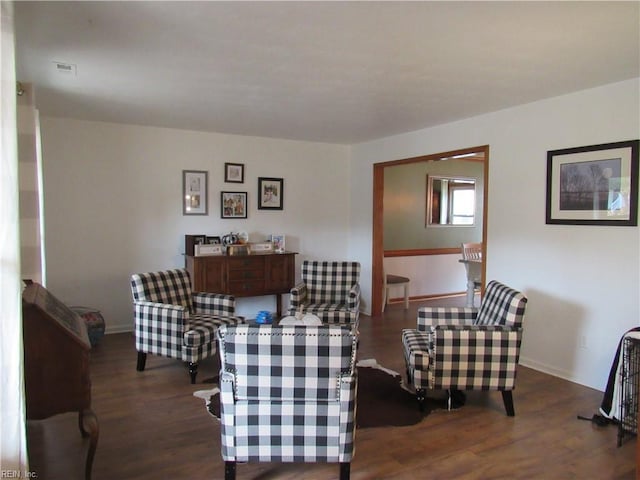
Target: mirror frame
(430, 201)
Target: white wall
(430, 275)
(583, 282)
(113, 204)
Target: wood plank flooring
(152, 427)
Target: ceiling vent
(66, 68)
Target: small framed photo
(194, 192)
(213, 240)
(233, 204)
(278, 242)
(234, 172)
(270, 193)
(593, 185)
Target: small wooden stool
(395, 281)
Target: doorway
(378, 248)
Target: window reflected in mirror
(451, 201)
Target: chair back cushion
(171, 287)
(501, 305)
(287, 363)
(329, 282)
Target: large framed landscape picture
(593, 185)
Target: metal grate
(629, 384)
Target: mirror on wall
(451, 201)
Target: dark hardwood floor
(152, 427)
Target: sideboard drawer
(249, 273)
(246, 288)
(248, 262)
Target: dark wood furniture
(56, 363)
(250, 275)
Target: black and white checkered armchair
(329, 290)
(468, 348)
(172, 321)
(287, 394)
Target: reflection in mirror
(451, 201)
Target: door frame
(378, 215)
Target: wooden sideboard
(250, 275)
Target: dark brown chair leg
(507, 398)
(229, 470)
(456, 399)
(421, 396)
(193, 371)
(345, 470)
(142, 361)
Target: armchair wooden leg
(142, 361)
(421, 396)
(456, 399)
(229, 470)
(345, 470)
(507, 398)
(193, 371)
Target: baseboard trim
(434, 296)
(555, 372)
(118, 329)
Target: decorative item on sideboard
(190, 242)
(213, 249)
(238, 249)
(278, 242)
(262, 247)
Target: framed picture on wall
(233, 204)
(194, 192)
(234, 172)
(270, 193)
(593, 185)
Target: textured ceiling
(338, 72)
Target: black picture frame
(234, 173)
(593, 185)
(233, 204)
(270, 193)
(194, 192)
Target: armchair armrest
(298, 296)
(431, 316)
(479, 357)
(353, 301)
(160, 312)
(159, 328)
(214, 303)
(227, 415)
(348, 393)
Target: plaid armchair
(173, 322)
(329, 290)
(468, 348)
(287, 394)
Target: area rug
(383, 399)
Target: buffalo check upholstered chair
(329, 290)
(287, 394)
(172, 321)
(467, 348)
